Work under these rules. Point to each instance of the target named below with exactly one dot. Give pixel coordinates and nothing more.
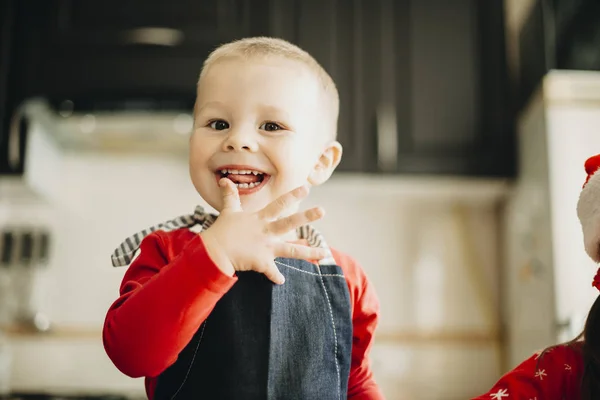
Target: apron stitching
(192, 362)
(337, 367)
(307, 272)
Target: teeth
(247, 185)
(240, 172)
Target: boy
(197, 315)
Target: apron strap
(125, 253)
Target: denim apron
(265, 341)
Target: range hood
(127, 127)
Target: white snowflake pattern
(568, 367)
(541, 373)
(499, 394)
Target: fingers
(300, 252)
(272, 273)
(231, 197)
(287, 224)
(278, 206)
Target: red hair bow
(596, 281)
(592, 165)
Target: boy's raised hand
(250, 241)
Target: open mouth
(246, 180)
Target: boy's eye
(219, 125)
(270, 126)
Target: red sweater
(554, 376)
(173, 285)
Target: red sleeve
(554, 376)
(166, 294)
(365, 314)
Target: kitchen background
(465, 125)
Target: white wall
(433, 261)
(529, 288)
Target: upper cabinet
(423, 85)
(12, 125)
(557, 34)
(131, 49)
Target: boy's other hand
(250, 241)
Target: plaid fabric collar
(126, 252)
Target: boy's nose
(239, 141)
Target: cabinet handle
(387, 137)
(14, 139)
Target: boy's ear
(326, 164)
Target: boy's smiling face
(264, 124)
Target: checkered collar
(125, 253)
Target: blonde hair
(252, 47)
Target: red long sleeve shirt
(173, 285)
(554, 376)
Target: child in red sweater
(572, 370)
(203, 310)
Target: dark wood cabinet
(423, 83)
(557, 34)
(12, 125)
(6, 28)
(96, 52)
(575, 37)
